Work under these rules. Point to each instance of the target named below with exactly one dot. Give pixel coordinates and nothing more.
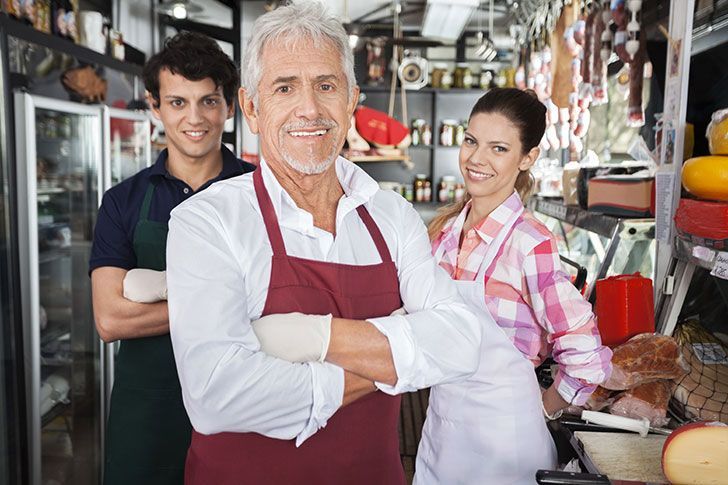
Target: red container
(624, 308)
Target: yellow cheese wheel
(697, 453)
(706, 177)
(718, 136)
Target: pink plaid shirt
(531, 296)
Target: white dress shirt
(218, 271)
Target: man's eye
(469, 141)
(176, 103)
(327, 87)
(211, 102)
(283, 89)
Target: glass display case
(604, 245)
(59, 182)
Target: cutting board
(625, 456)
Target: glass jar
(460, 134)
(426, 135)
(446, 193)
(463, 77)
(420, 180)
(447, 132)
(438, 71)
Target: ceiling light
(446, 19)
(178, 9)
(353, 41)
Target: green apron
(148, 430)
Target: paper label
(720, 269)
(710, 353)
(664, 182)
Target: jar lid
(421, 176)
(439, 65)
(450, 122)
(448, 178)
(462, 64)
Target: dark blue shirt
(121, 205)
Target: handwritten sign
(721, 266)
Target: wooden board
(625, 456)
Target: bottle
(420, 179)
(459, 192)
(426, 136)
(428, 191)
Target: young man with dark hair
(190, 88)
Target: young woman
(489, 428)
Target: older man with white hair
(310, 244)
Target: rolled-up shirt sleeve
(583, 362)
(228, 384)
(438, 340)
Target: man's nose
(194, 113)
(308, 104)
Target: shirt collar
(231, 165)
(488, 229)
(491, 226)
(359, 188)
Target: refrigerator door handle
(28, 244)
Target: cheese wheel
(718, 133)
(706, 177)
(697, 453)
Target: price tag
(721, 266)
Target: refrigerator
(67, 155)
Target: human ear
(529, 159)
(249, 110)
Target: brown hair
(528, 114)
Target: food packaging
(624, 308)
(702, 219)
(717, 133)
(647, 357)
(706, 177)
(621, 195)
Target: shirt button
(186, 190)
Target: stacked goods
(645, 358)
(703, 392)
(705, 222)
(643, 373)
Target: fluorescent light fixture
(446, 19)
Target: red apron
(359, 444)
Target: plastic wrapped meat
(646, 357)
(645, 401)
(600, 399)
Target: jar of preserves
(426, 134)
(463, 77)
(420, 180)
(438, 71)
(447, 132)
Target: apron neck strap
(274, 231)
(375, 233)
(146, 204)
(269, 214)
